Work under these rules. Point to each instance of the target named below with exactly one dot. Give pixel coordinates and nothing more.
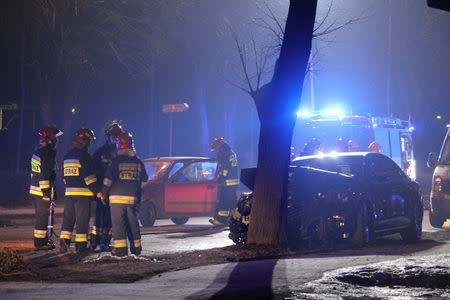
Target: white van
(440, 189)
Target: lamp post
(170, 109)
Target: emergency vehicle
(440, 189)
(392, 134)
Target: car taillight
(437, 185)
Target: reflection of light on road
(197, 234)
(174, 242)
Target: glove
(102, 198)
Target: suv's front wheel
(414, 230)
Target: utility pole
(389, 50)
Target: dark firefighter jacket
(42, 171)
(102, 158)
(79, 174)
(228, 167)
(123, 179)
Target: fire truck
(392, 134)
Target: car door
(389, 193)
(192, 189)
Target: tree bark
(277, 107)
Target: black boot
(43, 244)
(95, 241)
(136, 251)
(81, 247)
(64, 245)
(120, 252)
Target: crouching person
(123, 183)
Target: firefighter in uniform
(42, 183)
(374, 147)
(81, 186)
(312, 147)
(227, 183)
(123, 183)
(101, 231)
(352, 146)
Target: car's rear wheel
(179, 220)
(436, 220)
(147, 214)
(414, 230)
(363, 233)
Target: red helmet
(84, 136)
(217, 142)
(352, 146)
(124, 141)
(114, 129)
(48, 134)
(374, 147)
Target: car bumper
(441, 205)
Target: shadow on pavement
(246, 280)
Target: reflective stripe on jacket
(42, 171)
(123, 180)
(79, 174)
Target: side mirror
(432, 160)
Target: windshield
(445, 155)
(349, 165)
(156, 169)
(328, 132)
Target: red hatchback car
(179, 188)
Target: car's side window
(384, 169)
(209, 170)
(175, 168)
(197, 172)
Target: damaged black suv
(332, 198)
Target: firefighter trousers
(101, 232)
(42, 209)
(76, 213)
(226, 201)
(125, 222)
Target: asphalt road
(279, 278)
(164, 237)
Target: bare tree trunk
(276, 109)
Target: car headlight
(437, 185)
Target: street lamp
(170, 109)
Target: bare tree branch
(325, 17)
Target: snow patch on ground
(105, 256)
(418, 277)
